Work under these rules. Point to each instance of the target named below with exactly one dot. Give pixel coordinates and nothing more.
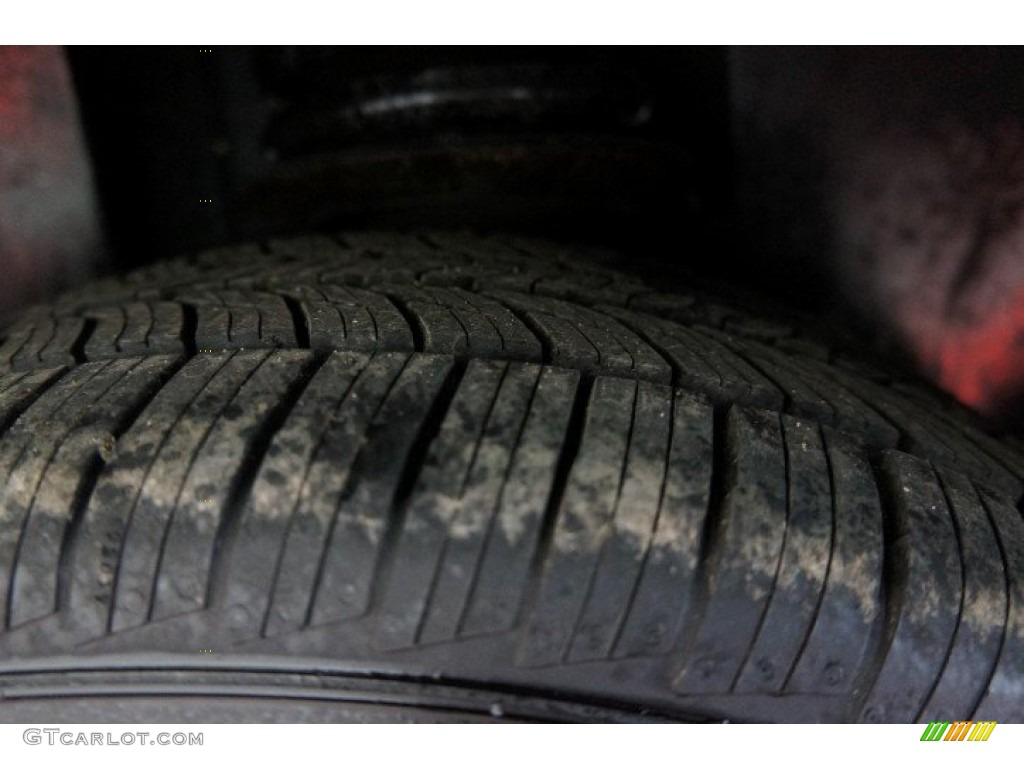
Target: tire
(388, 477)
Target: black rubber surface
(450, 460)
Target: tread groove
(83, 493)
(412, 320)
(78, 504)
(478, 568)
(547, 344)
(8, 610)
(895, 571)
(931, 548)
(609, 527)
(78, 346)
(116, 578)
(722, 475)
(566, 458)
(189, 328)
(300, 319)
(247, 471)
(168, 525)
(443, 551)
(15, 412)
(10, 589)
(279, 559)
(673, 365)
(429, 429)
(346, 491)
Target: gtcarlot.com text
(58, 736)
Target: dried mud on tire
(478, 477)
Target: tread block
(91, 441)
(652, 624)
(804, 564)
(583, 524)
(744, 552)
(243, 319)
(702, 363)
(525, 435)
(632, 528)
(457, 322)
(851, 414)
(849, 605)
(135, 328)
(39, 337)
(1004, 697)
(28, 451)
(355, 543)
(160, 495)
(188, 548)
(972, 656)
(19, 390)
(253, 558)
(435, 519)
(925, 592)
(330, 472)
(96, 552)
(352, 319)
(802, 399)
(592, 341)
